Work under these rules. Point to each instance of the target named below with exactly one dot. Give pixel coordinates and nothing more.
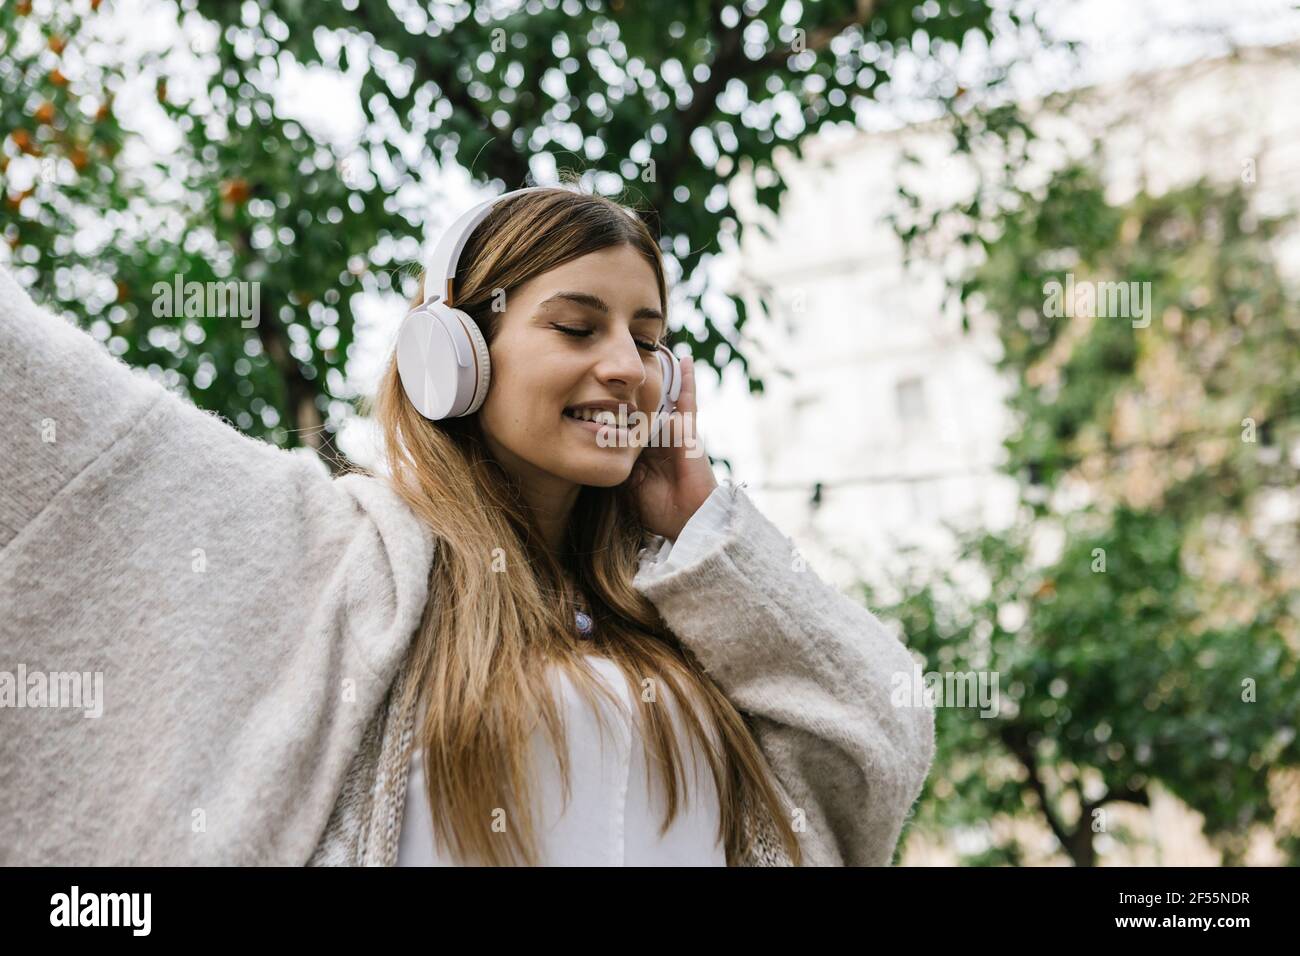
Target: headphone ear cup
(671, 375)
(442, 359)
(416, 343)
(481, 356)
(674, 386)
(671, 367)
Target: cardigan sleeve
(238, 614)
(814, 671)
(701, 529)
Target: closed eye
(647, 345)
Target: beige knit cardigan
(250, 619)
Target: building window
(909, 398)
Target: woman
(279, 650)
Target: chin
(586, 463)
(606, 475)
(601, 467)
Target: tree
(1156, 452)
(670, 103)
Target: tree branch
(301, 391)
(1019, 746)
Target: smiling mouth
(602, 417)
(593, 426)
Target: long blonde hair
(480, 660)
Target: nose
(622, 366)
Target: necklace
(582, 620)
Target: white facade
(889, 404)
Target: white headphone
(442, 356)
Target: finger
(686, 401)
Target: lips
(593, 427)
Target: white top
(613, 815)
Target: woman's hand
(671, 481)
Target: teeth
(601, 416)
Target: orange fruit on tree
(235, 191)
(23, 140)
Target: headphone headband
(441, 270)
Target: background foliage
(1142, 611)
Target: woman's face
(608, 301)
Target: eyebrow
(595, 302)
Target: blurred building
(881, 421)
(871, 387)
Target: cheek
(516, 417)
(520, 404)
